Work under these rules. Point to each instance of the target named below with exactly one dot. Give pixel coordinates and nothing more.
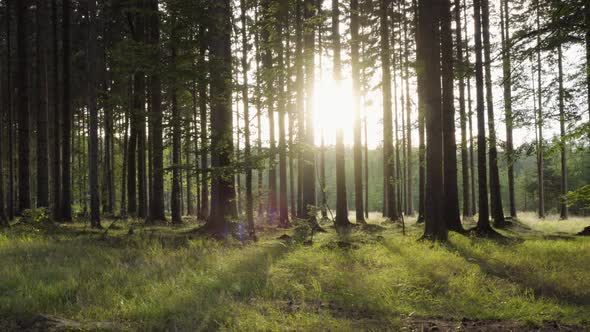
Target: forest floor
(375, 278)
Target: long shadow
(547, 290)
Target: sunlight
(333, 109)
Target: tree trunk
(563, 213)
(587, 23)
(42, 105)
(483, 222)
(24, 174)
(429, 61)
(203, 101)
(495, 194)
(282, 19)
(175, 202)
(157, 213)
(140, 117)
(55, 130)
(540, 142)
(341, 203)
(388, 151)
(451, 201)
(461, 69)
(308, 182)
(421, 109)
(409, 164)
(507, 84)
(356, 94)
(221, 117)
(246, 101)
(469, 114)
(93, 111)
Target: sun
(333, 109)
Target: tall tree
(429, 37)
(203, 102)
(461, 70)
(356, 94)
(140, 114)
(157, 150)
(483, 222)
(421, 121)
(24, 173)
(42, 17)
(308, 181)
(93, 111)
(451, 201)
(220, 61)
(563, 210)
(495, 195)
(388, 151)
(540, 122)
(341, 204)
(246, 101)
(55, 130)
(507, 84)
(175, 203)
(281, 18)
(409, 164)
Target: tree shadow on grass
(514, 275)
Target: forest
(294, 165)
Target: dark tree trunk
(308, 182)
(507, 84)
(24, 173)
(341, 203)
(356, 94)
(42, 105)
(93, 111)
(175, 202)
(55, 130)
(469, 114)
(140, 114)
(203, 101)
(258, 102)
(461, 69)
(157, 213)
(409, 164)
(421, 109)
(221, 117)
(540, 122)
(282, 22)
(246, 101)
(388, 151)
(483, 222)
(429, 61)
(66, 184)
(563, 211)
(495, 194)
(451, 201)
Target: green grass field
(162, 278)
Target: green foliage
(36, 216)
(580, 196)
(159, 279)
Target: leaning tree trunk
(24, 173)
(495, 194)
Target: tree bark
(540, 142)
(175, 202)
(461, 69)
(356, 94)
(563, 211)
(430, 39)
(451, 193)
(388, 151)
(507, 84)
(221, 117)
(409, 163)
(42, 105)
(282, 17)
(55, 130)
(495, 194)
(93, 111)
(203, 101)
(24, 173)
(421, 121)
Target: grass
(160, 279)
